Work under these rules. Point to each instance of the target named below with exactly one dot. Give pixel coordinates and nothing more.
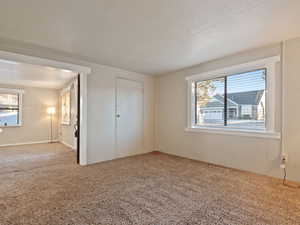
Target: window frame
(225, 78)
(20, 93)
(62, 92)
(269, 64)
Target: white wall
(169, 95)
(101, 112)
(66, 132)
(259, 155)
(101, 99)
(291, 122)
(35, 121)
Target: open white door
(129, 117)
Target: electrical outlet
(284, 158)
(283, 161)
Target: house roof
(239, 98)
(246, 98)
(214, 103)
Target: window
(66, 107)
(209, 103)
(236, 99)
(10, 107)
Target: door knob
(118, 116)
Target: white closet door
(129, 117)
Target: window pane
(9, 100)
(246, 102)
(210, 102)
(9, 117)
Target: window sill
(12, 126)
(237, 132)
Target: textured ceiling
(150, 36)
(35, 76)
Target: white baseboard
(29, 143)
(68, 145)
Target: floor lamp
(51, 111)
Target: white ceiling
(35, 76)
(150, 36)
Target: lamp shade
(51, 110)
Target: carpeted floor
(42, 184)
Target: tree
(205, 89)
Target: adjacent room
(150, 112)
(38, 115)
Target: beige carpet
(41, 184)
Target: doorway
(69, 114)
(81, 73)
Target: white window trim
(236, 132)
(15, 91)
(269, 132)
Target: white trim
(12, 90)
(21, 108)
(283, 98)
(241, 68)
(43, 62)
(83, 120)
(237, 132)
(190, 104)
(66, 144)
(75, 83)
(29, 143)
(268, 63)
(232, 102)
(82, 70)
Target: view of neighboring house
(241, 106)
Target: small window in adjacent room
(240, 98)
(10, 108)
